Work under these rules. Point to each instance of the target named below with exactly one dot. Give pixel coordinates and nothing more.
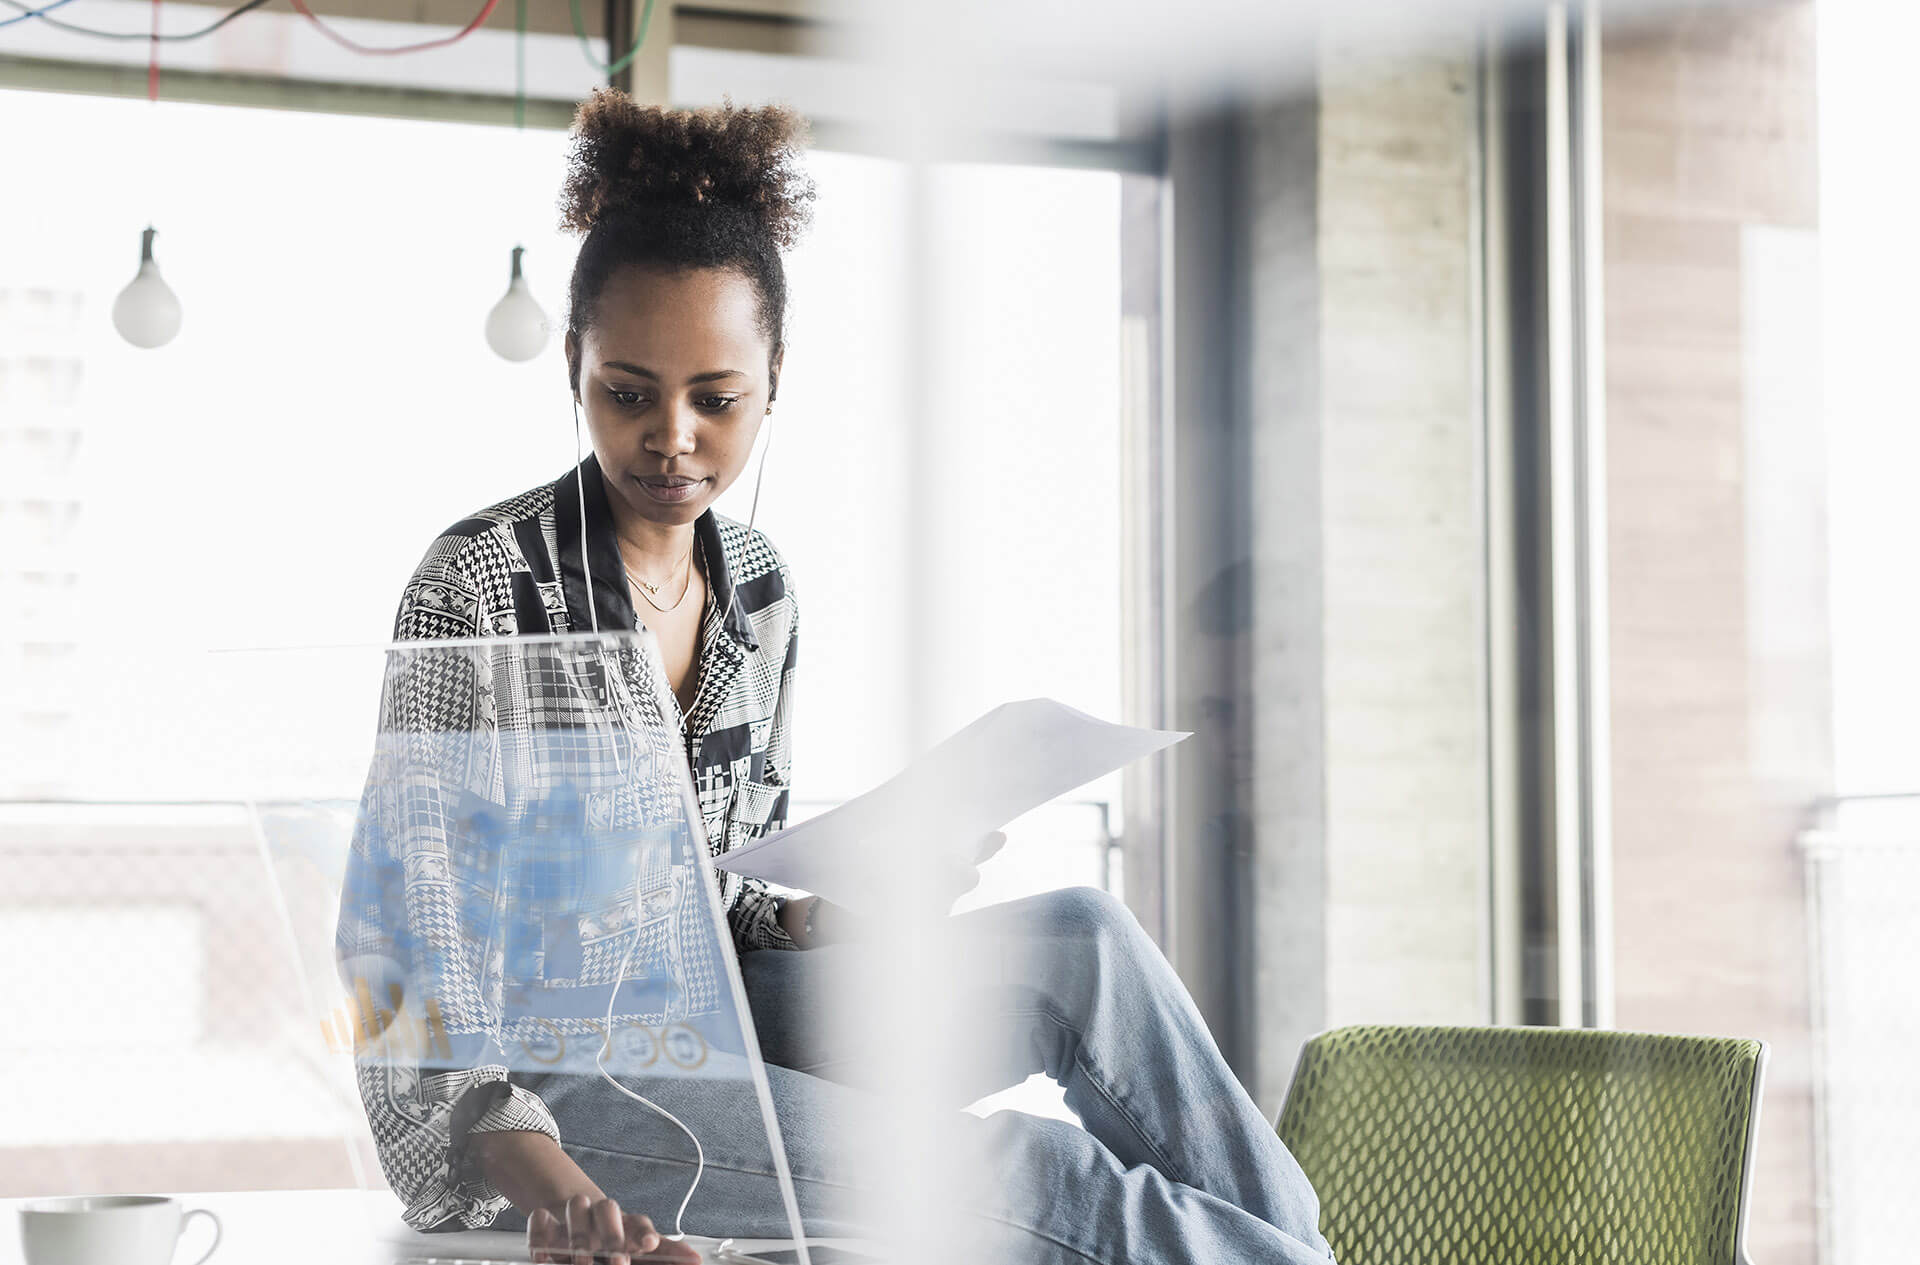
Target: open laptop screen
(504, 906)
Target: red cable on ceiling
(153, 56)
(301, 7)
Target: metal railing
(1862, 857)
(145, 949)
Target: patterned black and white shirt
(519, 568)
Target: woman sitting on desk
(674, 348)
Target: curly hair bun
(635, 161)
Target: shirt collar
(611, 597)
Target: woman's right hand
(571, 1220)
(582, 1230)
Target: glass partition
(511, 919)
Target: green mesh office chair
(1527, 1146)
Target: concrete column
(1331, 646)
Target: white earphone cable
(626, 959)
(753, 511)
(580, 487)
(699, 1152)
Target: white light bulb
(147, 313)
(517, 326)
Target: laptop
(582, 870)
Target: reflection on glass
(529, 930)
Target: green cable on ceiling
(579, 29)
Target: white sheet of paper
(1015, 758)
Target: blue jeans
(1175, 1162)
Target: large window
(1864, 859)
(272, 476)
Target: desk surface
(334, 1227)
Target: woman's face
(674, 379)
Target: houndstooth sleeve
(755, 914)
(403, 931)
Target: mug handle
(202, 1212)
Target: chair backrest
(1526, 1145)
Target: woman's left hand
(949, 876)
(962, 876)
(945, 879)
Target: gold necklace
(648, 590)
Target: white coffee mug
(107, 1230)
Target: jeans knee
(1092, 912)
